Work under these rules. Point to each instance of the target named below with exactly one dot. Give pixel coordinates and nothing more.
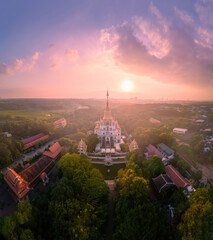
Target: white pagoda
(109, 132)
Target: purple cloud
(4, 68)
(185, 56)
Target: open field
(113, 170)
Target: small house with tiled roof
(54, 151)
(60, 123)
(176, 177)
(166, 151)
(152, 150)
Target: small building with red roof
(60, 123)
(31, 141)
(54, 151)
(176, 177)
(152, 150)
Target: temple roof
(31, 173)
(53, 151)
(107, 115)
(17, 184)
(176, 177)
(162, 182)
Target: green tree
(91, 142)
(155, 166)
(197, 221)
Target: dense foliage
(10, 149)
(197, 221)
(136, 215)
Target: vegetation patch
(109, 172)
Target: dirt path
(109, 229)
(207, 169)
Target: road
(207, 169)
(109, 229)
(27, 156)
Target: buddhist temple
(82, 147)
(108, 132)
(133, 146)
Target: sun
(127, 85)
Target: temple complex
(108, 132)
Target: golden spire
(107, 106)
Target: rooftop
(163, 182)
(165, 149)
(176, 177)
(53, 151)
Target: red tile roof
(17, 184)
(32, 173)
(152, 150)
(31, 141)
(53, 151)
(176, 177)
(59, 121)
(43, 176)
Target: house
(207, 130)
(54, 151)
(176, 177)
(60, 123)
(180, 130)
(200, 121)
(7, 134)
(82, 147)
(26, 180)
(133, 146)
(153, 120)
(163, 182)
(166, 151)
(32, 141)
(152, 150)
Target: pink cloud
(205, 12)
(186, 18)
(184, 61)
(72, 54)
(4, 69)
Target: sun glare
(127, 86)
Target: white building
(108, 131)
(82, 147)
(180, 130)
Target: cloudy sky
(78, 48)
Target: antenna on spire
(107, 106)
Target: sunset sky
(79, 48)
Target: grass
(113, 170)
